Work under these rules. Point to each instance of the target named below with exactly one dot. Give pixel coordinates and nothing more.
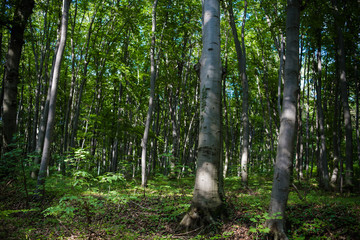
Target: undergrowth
(108, 207)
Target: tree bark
(22, 13)
(82, 85)
(280, 73)
(151, 98)
(307, 145)
(72, 86)
(336, 137)
(241, 58)
(357, 113)
(323, 166)
(52, 103)
(346, 109)
(207, 205)
(285, 150)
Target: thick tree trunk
(151, 98)
(323, 166)
(282, 171)
(11, 76)
(52, 103)
(207, 204)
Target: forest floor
(112, 208)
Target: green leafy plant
(260, 221)
(111, 179)
(83, 207)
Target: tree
(323, 166)
(341, 58)
(207, 204)
(285, 150)
(52, 103)
(151, 98)
(23, 10)
(241, 59)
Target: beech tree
(322, 163)
(111, 117)
(22, 12)
(241, 59)
(285, 149)
(151, 98)
(53, 92)
(341, 60)
(207, 204)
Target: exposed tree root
(202, 217)
(276, 229)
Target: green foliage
(110, 179)
(69, 206)
(79, 158)
(90, 207)
(6, 213)
(260, 221)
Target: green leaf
(253, 230)
(254, 220)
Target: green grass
(119, 209)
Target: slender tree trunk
(207, 204)
(299, 139)
(307, 146)
(281, 182)
(151, 98)
(357, 113)
(43, 122)
(11, 76)
(226, 127)
(298, 154)
(323, 166)
(82, 85)
(39, 73)
(336, 137)
(346, 109)
(269, 123)
(174, 125)
(52, 103)
(45, 108)
(72, 86)
(280, 46)
(280, 73)
(241, 57)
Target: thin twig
(298, 192)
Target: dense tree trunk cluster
(144, 90)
